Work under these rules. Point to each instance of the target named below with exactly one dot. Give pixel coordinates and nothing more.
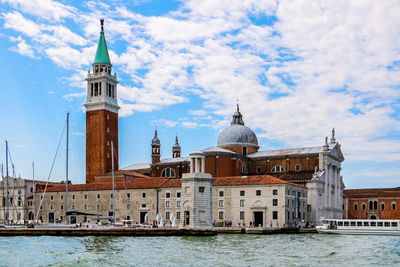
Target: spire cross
(102, 25)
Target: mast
(7, 192)
(34, 190)
(3, 185)
(66, 171)
(113, 182)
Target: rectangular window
(178, 204)
(168, 195)
(201, 189)
(242, 193)
(128, 195)
(221, 215)
(242, 203)
(143, 194)
(274, 202)
(98, 206)
(167, 215)
(51, 197)
(98, 195)
(297, 167)
(394, 224)
(73, 207)
(85, 196)
(275, 215)
(178, 194)
(111, 195)
(258, 192)
(62, 197)
(275, 192)
(73, 196)
(61, 207)
(221, 193)
(167, 203)
(128, 206)
(85, 207)
(144, 205)
(241, 215)
(178, 215)
(220, 203)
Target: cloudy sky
(298, 68)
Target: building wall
(20, 191)
(101, 129)
(386, 208)
(286, 206)
(171, 200)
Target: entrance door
(51, 217)
(258, 218)
(30, 216)
(143, 216)
(187, 217)
(73, 219)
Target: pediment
(336, 152)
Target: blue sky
(297, 68)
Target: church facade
(233, 181)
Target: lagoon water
(221, 250)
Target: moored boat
(359, 227)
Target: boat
(359, 227)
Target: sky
(297, 69)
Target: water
(221, 250)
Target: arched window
(382, 205)
(355, 206)
(375, 205)
(278, 168)
(258, 169)
(244, 169)
(168, 172)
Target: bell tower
(101, 114)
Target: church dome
(237, 133)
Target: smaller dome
(155, 140)
(176, 145)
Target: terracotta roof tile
(372, 192)
(249, 180)
(139, 183)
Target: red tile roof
(152, 182)
(139, 183)
(249, 180)
(371, 192)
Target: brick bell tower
(101, 114)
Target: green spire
(102, 51)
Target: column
(196, 166)
(191, 165)
(203, 169)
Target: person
(251, 223)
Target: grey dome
(237, 134)
(155, 140)
(176, 145)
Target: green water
(221, 250)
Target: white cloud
(165, 123)
(321, 64)
(46, 9)
(23, 47)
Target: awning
(75, 212)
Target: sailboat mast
(3, 185)
(34, 190)
(113, 180)
(66, 171)
(7, 191)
